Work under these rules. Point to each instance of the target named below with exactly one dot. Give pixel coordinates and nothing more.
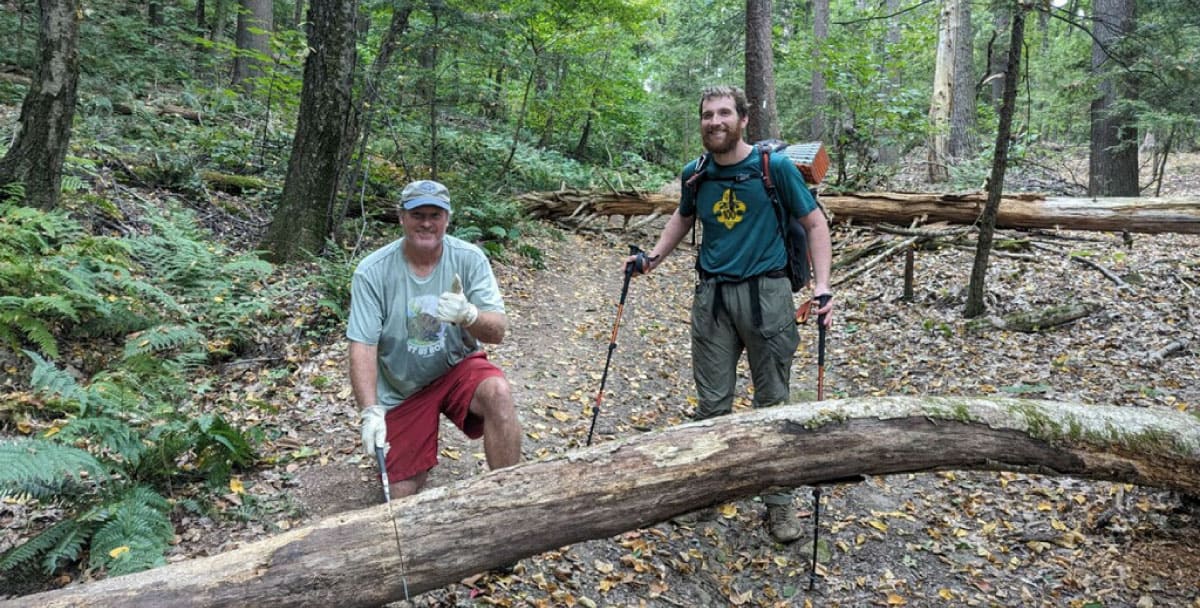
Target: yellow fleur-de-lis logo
(729, 210)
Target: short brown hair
(724, 90)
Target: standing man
(743, 298)
(419, 308)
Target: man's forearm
(489, 327)
(820, 249)
(677, 227)
(364, 372)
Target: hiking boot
(782, 523)
(692, 518)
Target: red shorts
(412, 427)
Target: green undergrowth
(115, 334)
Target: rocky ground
(949, 538)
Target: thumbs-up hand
(453, 306)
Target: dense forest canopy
(610, 83)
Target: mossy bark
(450, 532)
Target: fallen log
(568, 204)
(1143, 215)
(450, 532)
(1031, 321)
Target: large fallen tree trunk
(1145, 215)
(450, 532)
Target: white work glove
(453, 307)
(374, 429)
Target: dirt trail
(932, 539)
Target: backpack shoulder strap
(765, 164)
(693, 186)
(781, 213)
(693, 182)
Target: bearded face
(720, 125)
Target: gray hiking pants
(756, 316)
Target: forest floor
(935, 539)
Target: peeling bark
(450, 532)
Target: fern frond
(112, 437)
(40, 335)
(164, 338)
(43, 468)
(72, 183)
(49, 381)
(135, 534)
(55, 304)
(219, 445)
(68, 548)
(148, 293)
(248, 266)
(51, 542)
(16, 320)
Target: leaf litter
(950, 538)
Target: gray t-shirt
(392, 308)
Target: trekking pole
(387, 499)
(638, 264)
(822, 300)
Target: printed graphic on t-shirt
(729, 210)
(426, 334)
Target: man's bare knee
(493, 397)
(410, 486)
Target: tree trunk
(950, 104)
(888, 150)
(1113, 153)
(998, 51)
(450, 532)
(962, 107)
(760, 72)
(43, 134)
(359, 128)
(428, 86)
(200, 15)
(1177, 215)
(820, 93)
(987, 225)
(154, 17)
(1142, 215)
(254, 24)
(320, 148)
(220, 16)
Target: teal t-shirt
(741, 231)
(393, 309)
